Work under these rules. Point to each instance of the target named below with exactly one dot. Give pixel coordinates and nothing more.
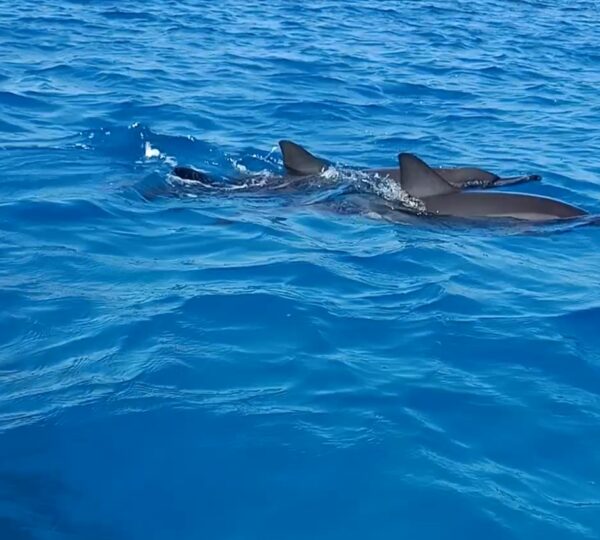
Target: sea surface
(186, 364)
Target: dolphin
(442, 198)
(299, 162)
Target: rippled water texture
(184, 365)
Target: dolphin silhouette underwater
(439, 191)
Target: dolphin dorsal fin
(297, 160)
(420, 180)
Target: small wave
(11, 99)
(128, 15)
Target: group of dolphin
(442, 192)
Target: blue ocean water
(183, 365)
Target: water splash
(384, 187)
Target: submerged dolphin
(444, 199)
(299, 162)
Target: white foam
(241, 168)
(331, 173)
(150, 153)
(386, 188)
(174, 179)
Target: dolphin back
(187, 173)
(501, 205)
(472, 177)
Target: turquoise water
(177, 364)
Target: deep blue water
(184, 365)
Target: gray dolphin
(444, 199)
